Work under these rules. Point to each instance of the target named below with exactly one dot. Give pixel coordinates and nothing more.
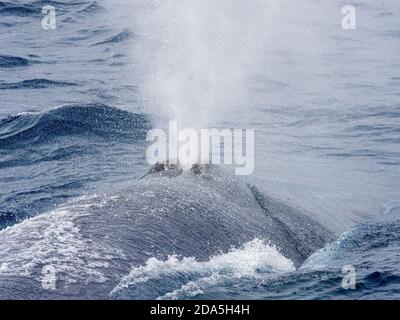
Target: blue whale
(82, 249)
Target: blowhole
(165, 166)
(175, 169)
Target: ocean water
(77, 102)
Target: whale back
(92, 242)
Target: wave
(126, 34)
(6, 25)
(7, 61)
(35, 84)
(374, 236)
(92, 8)
(21, 10)
(185, 277)
(64, 151)
(34, 8)
(97, 120)
(372, 248)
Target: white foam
(253, 259)
(54, 239)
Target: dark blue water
(49, 157)
(73, 122)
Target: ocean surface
(77, 102)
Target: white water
(254, 259)
(53, 239)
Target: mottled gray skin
(194, 213)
